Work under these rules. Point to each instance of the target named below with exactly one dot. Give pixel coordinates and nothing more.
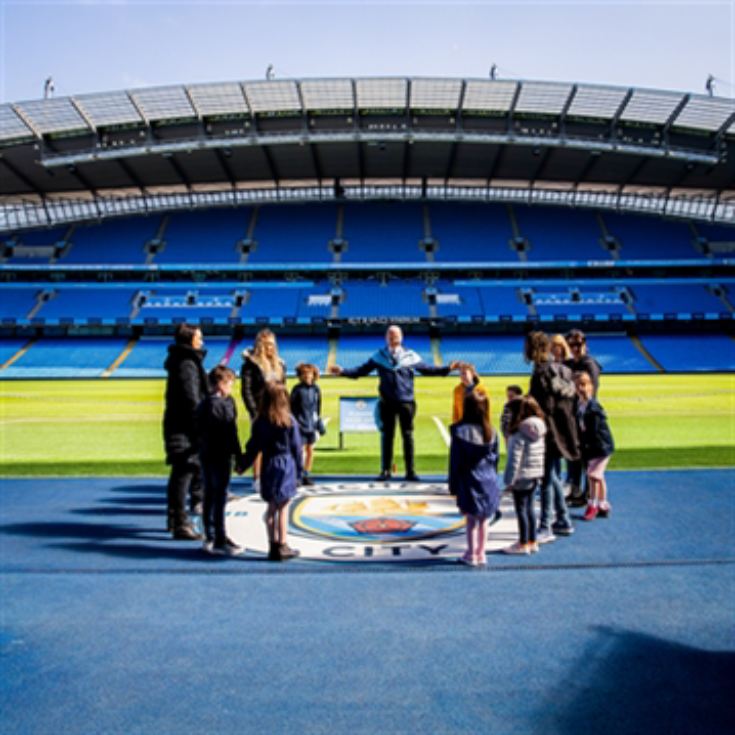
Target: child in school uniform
(597, 446)
(524, 468)
(219, 445)
(472, 476)
(306, 408)
(469, 382)
(276, 435)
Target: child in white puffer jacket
(524, 468)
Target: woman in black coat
(554, 391)
(186, 387)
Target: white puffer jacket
(525, 460)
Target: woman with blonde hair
(560, 351)
(261, 365)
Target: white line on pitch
(442, 429)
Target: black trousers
(185, 480)
(404, 411)
(216, 481)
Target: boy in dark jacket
(219, 444)
(306, 408)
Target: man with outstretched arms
(396, 367)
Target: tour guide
(396, 367)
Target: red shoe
(591, 513)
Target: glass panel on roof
(440, 94)
(53, 115)
(113, 108)
(327, 94)
(385, 93)
(705, 114)
(489, 95)
(11, 126)
(273, 96)
(598, 102)
(651, 107)
(543, 98)
(163, 103)
(219, 99)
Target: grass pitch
(113, 427)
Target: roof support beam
(125, 166)
(222, 160)
(20, 175)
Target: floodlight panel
(381, 93)
(218, 99)
(11, 126)
(650, 107)
(327, 94)
(112, 108)
(164, 103)
(704, 113)
(435, 94)
(489, 96)
(596, 102)
(53, 115)
(538, 97)
(280, 96)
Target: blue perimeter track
(109, 627)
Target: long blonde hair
(258, 356)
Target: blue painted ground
(108, 627)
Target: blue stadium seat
(393, 301)
(355, 349)
(383, 233)
(693, 352)
(81, 304)
(560, 234)
(294, 233)
(67, 357)
(650, 238)
(9, 346)
(147, 357)
(490, 354)
(675, 298)
(202, 237)
(583, 302)
(296, 349)
(472, 232)
(114, 242)
(17, 302)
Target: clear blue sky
(98, 45)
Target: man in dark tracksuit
(396, 368)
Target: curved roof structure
(330, 136)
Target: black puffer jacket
(252, 382)
(186, 387)
(587, 364)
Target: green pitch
(109, 427)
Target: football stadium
(468, 212)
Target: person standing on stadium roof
(396, 367)
(186, 388)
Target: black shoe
(384, 476)
(412, 477)
(560, 529)
(286, 552)
(274, 552)
(186, 533)
(578, 501)
(306, 480)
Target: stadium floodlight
(709, 85)
(48, 88)
(270, 72)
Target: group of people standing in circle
(557, 419)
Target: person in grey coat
(524, 468)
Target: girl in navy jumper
(306, 407)
(597, 445)
(472, 478)
(276, 435)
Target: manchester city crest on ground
(365, 521)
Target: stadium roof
(337, 135)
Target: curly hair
(537, 348)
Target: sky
(99, 45)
